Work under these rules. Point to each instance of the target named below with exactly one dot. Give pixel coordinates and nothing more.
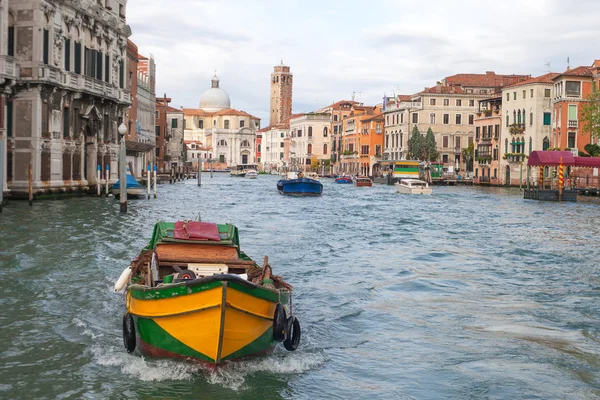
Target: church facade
(230, 134)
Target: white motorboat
(251, 174)
(413, 186)
(312, 175)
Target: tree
(590, 114)
(314, 164)
(416, 144)
(592, 149)
(468, 154)
(430, 147)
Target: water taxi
(413, 186)
(361, 181)
(192, 293)
(251, 174)
(297, 184)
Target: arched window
(524, 117)
(222, 142)
(518, 117)
(325, 132)
(546, 144)
(309, 148)
(310, 131)
(226, 124)
(324, 148)
(507, 119)
(245, 143)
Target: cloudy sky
(337, 47)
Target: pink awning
(550, 158)
(587, 162)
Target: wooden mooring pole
(30, 184)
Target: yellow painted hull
(211, 322)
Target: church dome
(215, 98)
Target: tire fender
(279, 323)
(292, 334)
(128, 333)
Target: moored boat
(193, 294)
(413, 186)
(360, 181)
(297, 184)
(134, 188)
(343, 179)
(251, 174)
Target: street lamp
(122, 171)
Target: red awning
(587, 162)
(550, 158)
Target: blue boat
(134, 189)
(299, 186)
(343, 179)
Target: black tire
(279, 323)
(186, 274)
(293, 333)
(128, 333)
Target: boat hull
(343, 180)
(300, 187)
(416, 190)
(131, 193)
(212, 320)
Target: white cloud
(335, 48)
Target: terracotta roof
(546, 78)
(404, 97)
(196, 112)
(337, 104)
(444, 90)
(489, 79)
(174, 110)
(579, 71)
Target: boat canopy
(164, 232)
(131, 183)
(553, 159)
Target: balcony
(517, 129)
(514, 157)
(573, 123)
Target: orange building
(571, 89)
(371, 143)
(339, 112)
(356, 133)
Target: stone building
(488, 134)
(163, 136)
(146, 114)
(309, 135)
(70, 94)
(525, 126)
(449, 110)
(176, 150)
(9, 72)
(281, 95)
(339, 111)
(273, 143)
(229, 133)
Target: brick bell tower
(281, 94)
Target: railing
(517, 129)
(573, 123)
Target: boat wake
(233, 375)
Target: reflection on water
(469, 293)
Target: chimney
(438, 87)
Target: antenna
(353, 95)
(568, 63)
(549, 66)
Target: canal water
(471, 293)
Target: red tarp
(195, 230)
(550, 158)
